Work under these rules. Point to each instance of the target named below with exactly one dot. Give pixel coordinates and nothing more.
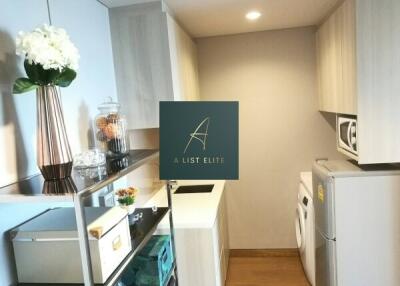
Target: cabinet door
(183, 62)
(336, 61)
(195, 256)
(329, 64)
(324, 91)
(348, 42)
(378, 76)
(142, 61)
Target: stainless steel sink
(191, 189)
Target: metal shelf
(141, 232)
(81, 186)
(170, 274)
(36, 189)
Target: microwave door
(352, 136)
(344, 132)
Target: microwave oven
(347, 135)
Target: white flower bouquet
(50, 58)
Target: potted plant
(126, 198)
(51, 61)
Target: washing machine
(304, 224)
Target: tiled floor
(266, 271)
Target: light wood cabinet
(358, 65)
(221, 252)
(203, 253)
(336, 61)
(378, 78)
(201, 234)
(154, 59)
(183, 52)
(348, 47)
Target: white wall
(273, 76)
(18, 112)
(88, 26)
(86, 21)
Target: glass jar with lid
(110, 129)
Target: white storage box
(46, 248)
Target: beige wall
(273, 76)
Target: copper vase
(54, 157)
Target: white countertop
(195, 210)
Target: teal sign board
(199, 140)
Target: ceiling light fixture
(253, 15)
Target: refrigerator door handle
(325, 260)
(323, 189)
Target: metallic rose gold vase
(54, 157)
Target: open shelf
(36, 189)
(81, 185)
(141, 231)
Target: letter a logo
(199, 135)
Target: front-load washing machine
(304, 224)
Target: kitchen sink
(191, 189)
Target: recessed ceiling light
(253, 15)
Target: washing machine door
(300, 228)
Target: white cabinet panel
(336, 61)
(378, 76)
(348, 44)
(369, 68)
(142, 61)
(195, 257)
(202, 250)
(155, 60)
(183, 62)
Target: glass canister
(110, 129)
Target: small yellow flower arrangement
(126, 198)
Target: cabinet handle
(117, 243)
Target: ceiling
(203, 18)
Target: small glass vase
(111, 130)
(129, 208)
(54, 157)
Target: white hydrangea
(48, 46)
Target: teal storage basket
(152, 266)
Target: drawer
(114, 247)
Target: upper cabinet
(183, 62)
(378, 78)
(348, 104)
(336, 61)
(155, 60)
(358, 63)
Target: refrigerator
(357, 224)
